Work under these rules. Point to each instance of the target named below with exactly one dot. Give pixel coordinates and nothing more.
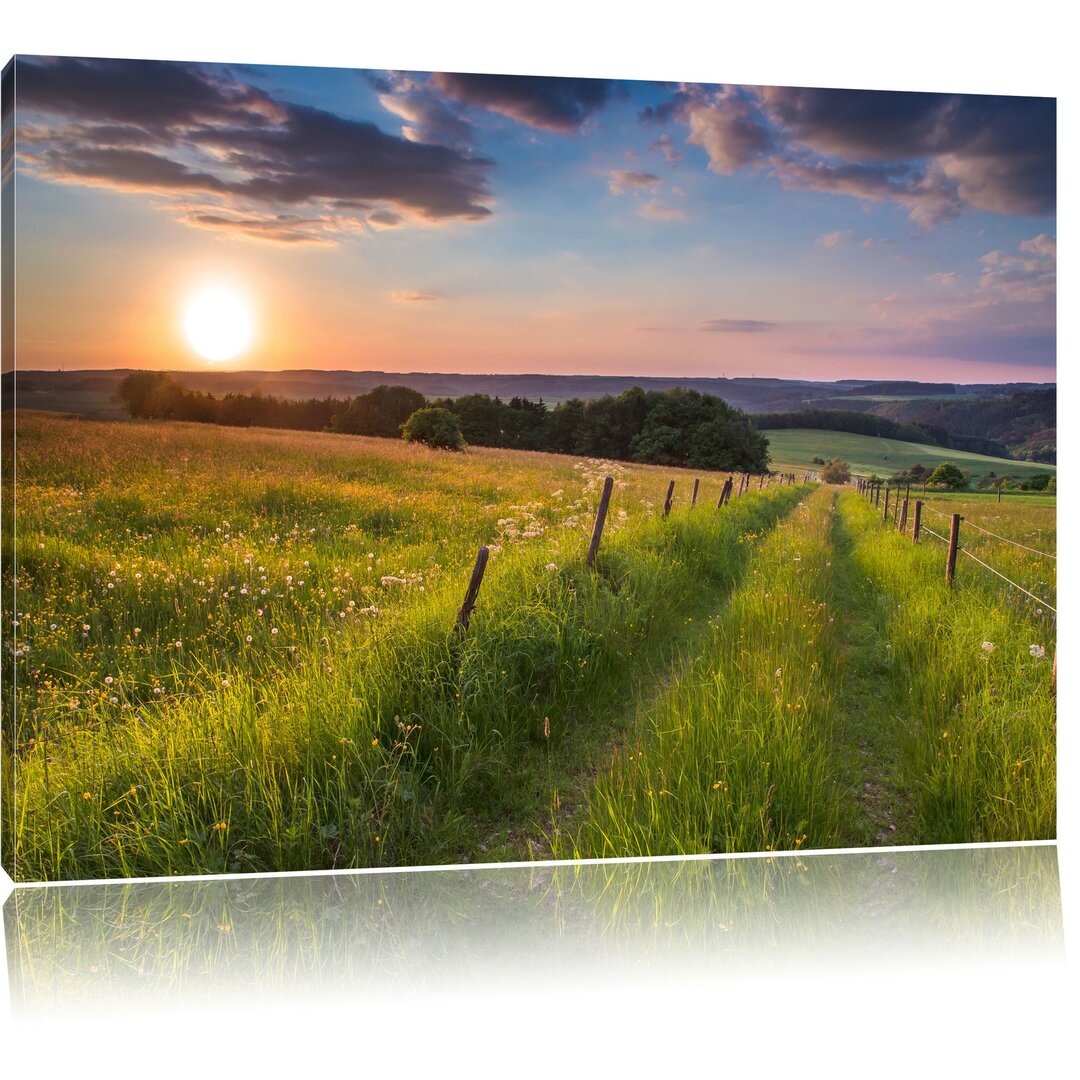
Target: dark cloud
(426, 113)
(729, 126)
(250, 154)
(935, 154)
(547, 102)
(283, 230)
(125, 168)
(736, 326)
(996, 153)
(156, 96)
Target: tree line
(952, 477)
(676, 427)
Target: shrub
(836, 472)
(947, 475)
(435, 427)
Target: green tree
(434, 427)
(1037, 481)
(381, 411)
(947, 475)
(836, 472)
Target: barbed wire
(1007, 580)
(1015, 543)
(996, 536)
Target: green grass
(235, 651)
(847, 697)
(239, 654)
(974, 708)
(796, 448)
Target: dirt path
(573, 777)
(878, 808)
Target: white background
(942, 1019)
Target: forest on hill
(661, 427)
(1025, 423)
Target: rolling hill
(796, 448)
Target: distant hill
(997, 418)
(1026, 423)
(90, 392)
(867, 455)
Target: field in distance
(795, 448)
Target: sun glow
(218, 324)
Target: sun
(218, 324)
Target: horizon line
(518, 375)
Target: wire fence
(1008, 581)
(872, 492)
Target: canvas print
(428, 468)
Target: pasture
(795, 448)
(234, 650)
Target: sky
(407, 221)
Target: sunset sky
(474, 223)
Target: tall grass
(969, 682)
(362, 740)
(737, 755)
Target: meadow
(869, 455)
(235, 651)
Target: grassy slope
(796, 448)
(810, 685)
(349, 736)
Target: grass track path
(876, 807)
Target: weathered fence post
(885, 512)
(667, 497)
(877, 495)
(903, 517)
(693, 497)
(954, 544)
(761, 480)
(916, 523)
(479, 567)
(598, 525)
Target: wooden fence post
(885, 512)
(954, 544)
(761, 480)
(474, 587)
(693, 497)
(598, 525)
(916, 523)
(903, 517)
(667, 497)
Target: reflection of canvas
(324, 937)
(422, 469)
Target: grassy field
(847, 697)
(234, 651)
(795, 448)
